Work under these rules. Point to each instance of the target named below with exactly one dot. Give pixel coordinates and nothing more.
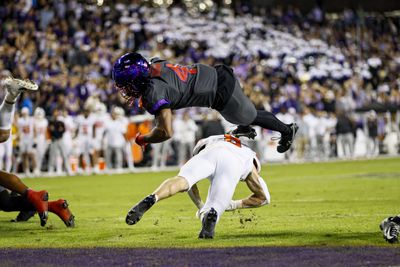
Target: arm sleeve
(157, 98)
(266, 191)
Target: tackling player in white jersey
(85, 125)
(26, 140)
(40, 124)
(224, 160)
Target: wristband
(234, 204)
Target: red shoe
(39, 201)
(60, 208)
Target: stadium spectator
(345, 135)
(372, 134)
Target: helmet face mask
(128, 93)
(131, 74)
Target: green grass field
(319, 204)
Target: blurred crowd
(317, 68)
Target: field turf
(316, 204)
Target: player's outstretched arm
(162, 132)
(194, 195)
(260, 195)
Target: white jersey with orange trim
(100, 124)
(85, 133)
(40, 129)
(69, 130)
(25, 134)
(25, 127)
(128, 146)
(115, 133)
(85, 126)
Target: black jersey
(175, 86)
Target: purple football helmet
(131, 74)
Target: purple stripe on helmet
(158, 105)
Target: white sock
(6, 114)
(156, 197)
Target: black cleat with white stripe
(209, 222)
(136, 212)
(286, 140)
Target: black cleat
(287, 140)
(136, 212)
(391, 229)
(24, 216)
(209, 222)
(245, 131)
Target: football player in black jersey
(163, 87)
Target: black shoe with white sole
(136, 212)
(24, 216)
(286, 140)
(209, 222)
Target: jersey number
(85, 129)
(181, 71)
(26, 129)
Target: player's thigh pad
(239, 109)
(197, 168)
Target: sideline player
(114, 137)
(163, 87)
(390, 228)
(58, 146)
(127, 150)
(85, 124)
(40, 125)
(101, 118)
(38, 199)
(225, 160)
(26, 140)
